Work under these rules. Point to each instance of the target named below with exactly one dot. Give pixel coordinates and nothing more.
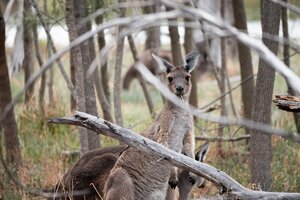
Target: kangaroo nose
(179, 89)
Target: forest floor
(43, 144)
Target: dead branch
(222, 139)
(287, 103)
(226, 184)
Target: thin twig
(222, 139)
(232, 89)
(59, 63)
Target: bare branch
(225, 183)
(201, 113)
(223, 139)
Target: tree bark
(28, 61)
(286, 58)
(245, 60)
(118, 72)
(51, 73)
(153, 33)
(75, 11)
(260, 144)
(175, 41)
(10, 130)
(188, 47)
(101, 43)
(43, 76)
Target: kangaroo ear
(191, 60)
(163, 64)
(201, 152)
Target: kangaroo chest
(182, 125)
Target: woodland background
(37, 153)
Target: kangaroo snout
(179, 91)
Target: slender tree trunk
(102, 80)
(75, 11)
(175, 41)
(153, 33)
(10, 130)
(189, 46)
(51, 72)
(222, 82)
(286, 56)
(101, 43)
(245, 59)
(75, 53)
(50, 79)
(28, 61)
(89, 92)
(43, 76)
(260, 143)
(118, 72)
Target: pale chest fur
(171, 127)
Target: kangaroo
(132, 73)
(145, 58)
(185, 184)
(140, 175)
(95, 166)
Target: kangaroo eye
(170, 79)
(187, 78)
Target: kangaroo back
(92, 168)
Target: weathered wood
(287, 103)
(224, 182)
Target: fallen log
(226, 184)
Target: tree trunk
(222, 83)
(28, 61)
(43, 76)
(101, 43)
(286, 60)
(175, 41)
(89, 92)
(260, 144)
(188, 47)
(10, 130)
(153, 33)
(51, 72)
(118, 72)
(102, 80)
(75, 11)
(245, 60)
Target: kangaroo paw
(173, 183)
(192, 178)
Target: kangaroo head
(178, 78)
